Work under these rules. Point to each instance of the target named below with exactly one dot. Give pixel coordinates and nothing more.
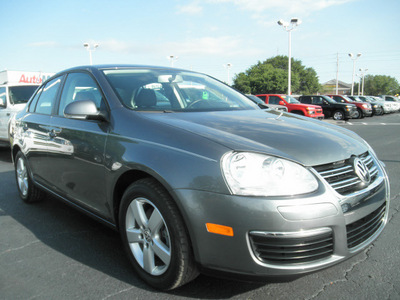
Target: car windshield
(21, 94)
(290, 99)
(328, 99)
(355, 98)
(174, 90)
(347, 98)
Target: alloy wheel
(148, 236)
(22, 177)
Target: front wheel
(154, 236)
(338, 115)
(28, 192)
(359, 114)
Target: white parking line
(370, 124)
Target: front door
(76, 150)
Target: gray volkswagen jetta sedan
(197, 178)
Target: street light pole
(228, 66)
(354, 58)
(294, 22)
(90, 49)
(363, 74)
(172, 58)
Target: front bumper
(349, 114)
(317, 116)
(270, 234)
(377, 111)
(367, 112)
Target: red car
(293, 106)
(363, 109)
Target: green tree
(271, 76)
(380, 85)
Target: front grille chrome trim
(341, 177)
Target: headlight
(253, 174)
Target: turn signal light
(219, 229)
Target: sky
(205, 36)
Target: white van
(16, 87)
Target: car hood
(306, 141)
(306, 105)
(344, 104)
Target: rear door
(3, 113)
(36, 127)
(76, 148)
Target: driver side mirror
(84, 110)
(281, 102)
(2, 102)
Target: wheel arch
(14, 150)
(129, 177)
(298, 112)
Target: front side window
(79, 87)
(317, 100)
(339, 99)
(290, 99)
(174, 90)
(47, 98)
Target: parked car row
(338, 107)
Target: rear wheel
(28, 192)
(154, 236)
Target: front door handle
(52, 134)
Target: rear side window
(263, 98)
(48, 96)
(3, 102)
(35, 100)
(306, 100)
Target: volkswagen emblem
(361, 170)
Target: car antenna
(281, 113)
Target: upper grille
(292, 250)
(342, 177)
(361, 230)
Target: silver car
(196, 177)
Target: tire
(338, 115)
(155, 237)
(27, 190)
(359, 114)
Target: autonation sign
(23, 77)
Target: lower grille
(288, 250)
(361, 230)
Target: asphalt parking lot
(50, 251)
